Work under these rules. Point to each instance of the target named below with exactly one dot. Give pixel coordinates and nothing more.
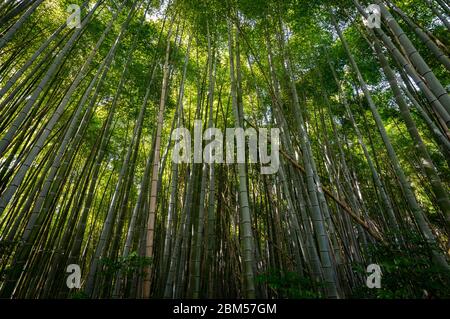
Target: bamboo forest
(213, 149)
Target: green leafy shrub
(78, 295)
(408, 271)
(131, 264)
(290, 285)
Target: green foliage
(290, 285)
(78, 295)
(131, 264)
(408, 271)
